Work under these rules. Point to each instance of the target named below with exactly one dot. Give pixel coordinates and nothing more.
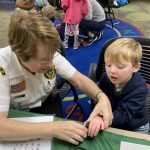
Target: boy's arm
(94, 126)
(88, 87)
(132, 103)
(126, 110)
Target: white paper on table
(35, 119)
(36, 144)
(133, 146)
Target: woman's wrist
(97, 96)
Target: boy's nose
(113, 69)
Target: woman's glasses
(47, 60)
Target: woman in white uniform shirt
(28, 70)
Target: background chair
(96, 71)
(107, 5)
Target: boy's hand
(94, 126)
(103, 108)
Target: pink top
(75, 10)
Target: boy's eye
(107, 65)
(120, 66)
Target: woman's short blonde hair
(126, 49)
(25, 30)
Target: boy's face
(120, 73)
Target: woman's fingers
(70, 131)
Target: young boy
(124, 86)
(49, 12)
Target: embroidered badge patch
(50, 73)
(19, 87)
(2, 71)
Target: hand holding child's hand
(94, 126)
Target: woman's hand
(69, 131)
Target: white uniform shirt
(20, 88)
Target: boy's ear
(136, 67)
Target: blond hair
(49, 11)
(25, 30)
(124, 49)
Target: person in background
(39, 4)
(75, 10)
(28, 69)
(32, 6)
(50, 13)
(55, 3)
(93, 23)
(62, 25)
(25, 5)
(124, 86)
(53, 16)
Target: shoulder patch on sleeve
(2, 72)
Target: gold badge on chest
(2, 72)
(50, 73)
